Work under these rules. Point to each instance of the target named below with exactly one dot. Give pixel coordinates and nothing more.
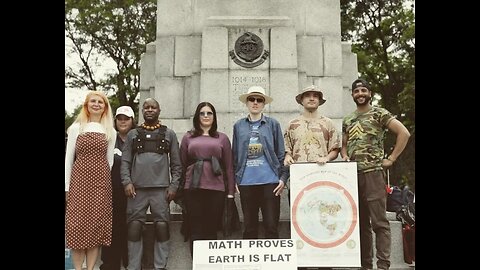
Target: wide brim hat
(255, 91)
(311, 88)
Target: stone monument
(213, 50)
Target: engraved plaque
(241, 80)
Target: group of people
(113, 178)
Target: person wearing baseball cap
(361, 83)
(363, 142)
(117, 252)
(125, 110)
(258, 153)
(311, 137)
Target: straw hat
(255, 91)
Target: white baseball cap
(125, 110)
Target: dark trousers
(260, 197)
(372, 212)
(117, 251)
(204, 211)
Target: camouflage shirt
(308, 139)
(366, 135)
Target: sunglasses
(259, 100)
(206, 114)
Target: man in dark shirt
(150, 158)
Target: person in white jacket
(88, 186)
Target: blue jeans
(260, 197)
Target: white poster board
(324, 214)
(254, 254)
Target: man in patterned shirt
(310, 137)
(363, 138)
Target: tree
(68, 120)
(117, 30)
(382, 33)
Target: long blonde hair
(106, 119)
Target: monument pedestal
(397, 261)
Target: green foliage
(382, 33)
(69, 119)
(118, 30)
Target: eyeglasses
(259, 100)
(206, 114)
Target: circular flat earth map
(324, 214)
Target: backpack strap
(155, 142)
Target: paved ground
(180, 256)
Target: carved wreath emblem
(248, 48)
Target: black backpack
(406, 214)
(399, 197)
(401, 202)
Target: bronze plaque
(249, 47)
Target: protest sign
(254, 254)
(324, 214)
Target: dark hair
(362, 82)
(359, 83)
(134, 124)
(197, 129)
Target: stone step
(180, 258)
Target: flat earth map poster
(324, 214)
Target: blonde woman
(88, 186)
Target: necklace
(147, 127)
